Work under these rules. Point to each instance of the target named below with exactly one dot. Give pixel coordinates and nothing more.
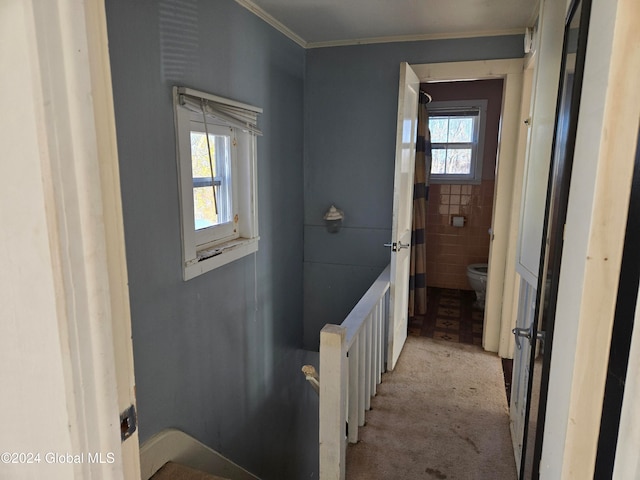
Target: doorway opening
(500, 280)
(459, 210)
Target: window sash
(452, 112)
(456, 146)
(223, 231)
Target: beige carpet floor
(441, 414)
(176, 471)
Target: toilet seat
(479, 269)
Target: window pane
(438, 160)
(438, 127)
(212, 202)
(205, 214)
(460, 130)
(459, 161)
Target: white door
(521, 367)
(402, 210)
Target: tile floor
(451, 315)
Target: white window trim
(475, 177)
(201, 258)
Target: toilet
(477, 275)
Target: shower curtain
(418, 278)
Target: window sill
(213, 257)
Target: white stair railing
(352, 359)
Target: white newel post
(333, 402)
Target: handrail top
(354, 321)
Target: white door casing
(68, 357)
(542, 112)
(497, 327)
(402, 211)
(118, 283)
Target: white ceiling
(339, 22)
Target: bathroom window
(216, 156)
(457, 140)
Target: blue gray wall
(351, 101)
(217, 356)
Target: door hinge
(128, 422)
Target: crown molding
(259, 12)
(414, 38)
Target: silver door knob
(397, 246)
(521, 332)
(527, 333)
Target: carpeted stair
(176, 471)
(173, 455)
